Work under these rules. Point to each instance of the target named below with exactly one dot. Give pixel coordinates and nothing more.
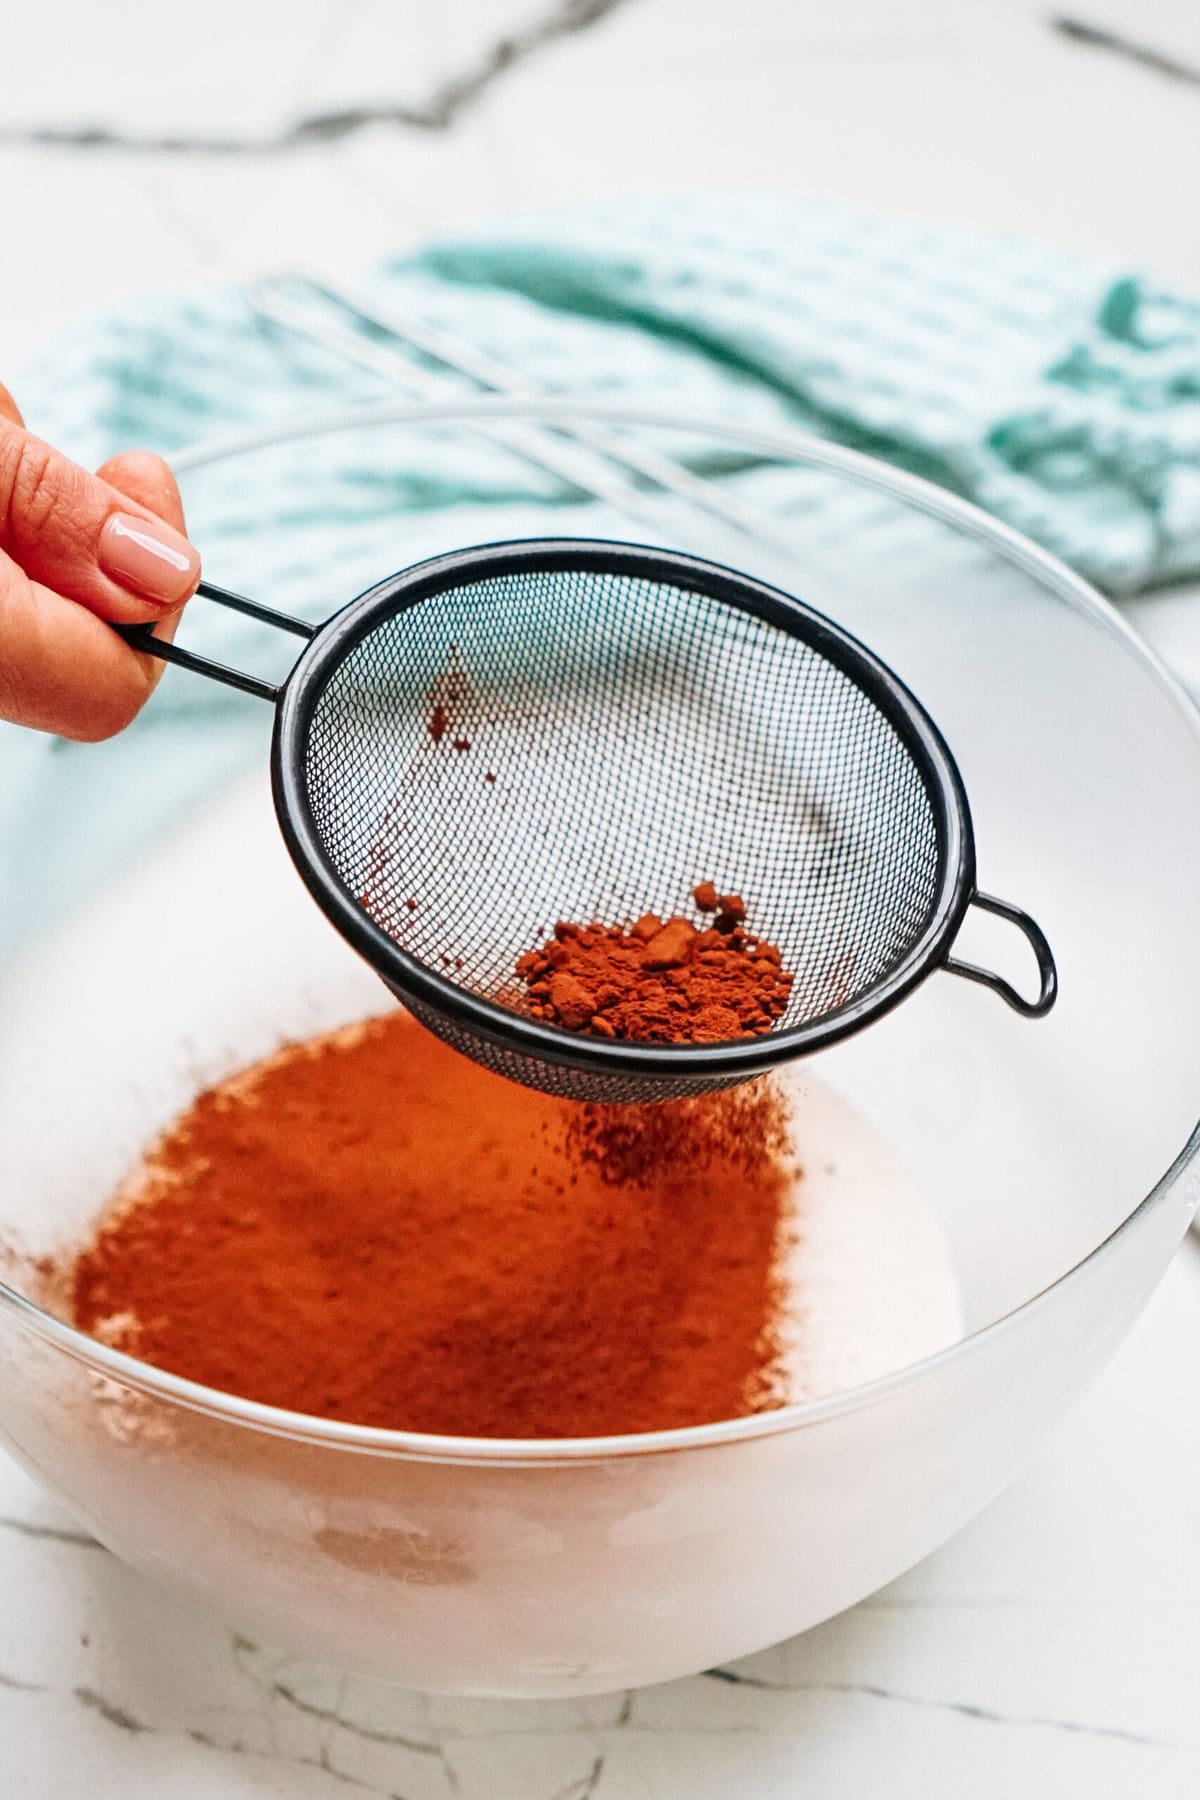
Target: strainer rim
(418, 982)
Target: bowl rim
(814, 453)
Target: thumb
(74, 533)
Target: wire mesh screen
(586, 745)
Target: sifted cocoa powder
(368, 1227)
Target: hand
(77, 550)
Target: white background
(1050, 1650)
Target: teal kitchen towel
(1059, 393)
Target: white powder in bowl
(869, 1280)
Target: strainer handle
(142, 638)
(1048, 994)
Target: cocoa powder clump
(660, 980)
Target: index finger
(147, 479)
(74, 533)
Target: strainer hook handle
(1048, 991)
(142, 638)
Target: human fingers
(8, 407)
(62, 669)
(76, 534)
(147, 479)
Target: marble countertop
(1047, 1650)
(247, 136)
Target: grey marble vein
(585, 1787)
(331, 1716)
(54, 1534)
(438, 113)
(967, 1709)
(590, 1785)
(270, 1688)
(1080, 32)
(110, 1711)
(449, 1770)
(123, 1720)
(15, 1684)
(320, 1761)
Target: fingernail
(149, 558)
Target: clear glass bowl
(1057, 1156)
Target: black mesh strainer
(508, 736)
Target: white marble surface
(1050, 1649)
(965, 110)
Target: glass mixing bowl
(1057, 1157)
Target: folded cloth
(1060, 393)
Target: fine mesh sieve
(508, 736)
